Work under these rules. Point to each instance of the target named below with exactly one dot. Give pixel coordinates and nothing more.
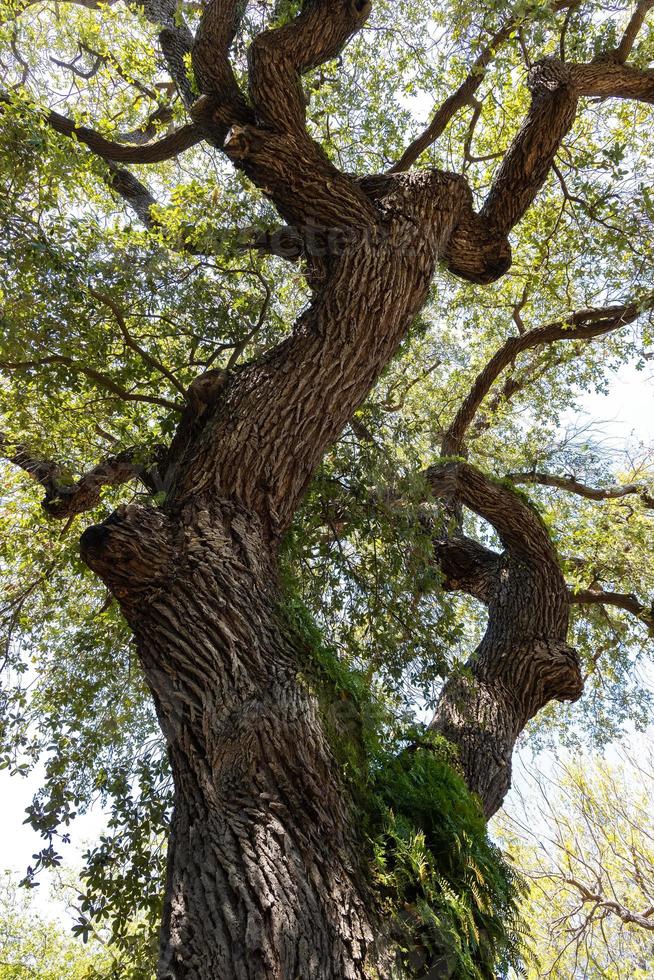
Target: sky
(624, 417)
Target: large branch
(278, 58)
(212, 66)
(621, 600)
(517, 523)
(529, 158)
(277, 153)
(636, 21)
(120, 180)
(572, 485)
(284, 242)
(155, 152)
(555, 88)
(276, 417)
(464, 94)
(100, 379)
(64, 497)
(611, 79)
(467, 566)
(519, 177)
(523, 660)
(582, 325)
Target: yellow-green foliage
(34, 946)
(583, 838)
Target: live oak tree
(255, 364)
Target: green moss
(445, 460)
(451, 897)
(504, 482)
(517, 492)
(349, 712)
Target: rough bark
(523, 660)
(264, 880)
(273, 421)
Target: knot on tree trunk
(548, 75)
(477, 251)
(131, 552)
(556, 673)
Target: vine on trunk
(450, 895)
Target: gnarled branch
(528, 160)
(65, 498)
(155, 152)
(517, 523)
(573, 485)
(621, 600)
(277, 153)
(523, 660)
(581, 325)
(211, 64)
(467, 566)
(278, 58)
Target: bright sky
(625, 417)
(627, 411)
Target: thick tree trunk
(264, 877)
(522, 663)
(523, 660)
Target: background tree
(589, 866)
(266, 477)
(33, 946)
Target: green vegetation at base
(450, 895)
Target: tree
(590, 868)
(32, 946)
(258, 485)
